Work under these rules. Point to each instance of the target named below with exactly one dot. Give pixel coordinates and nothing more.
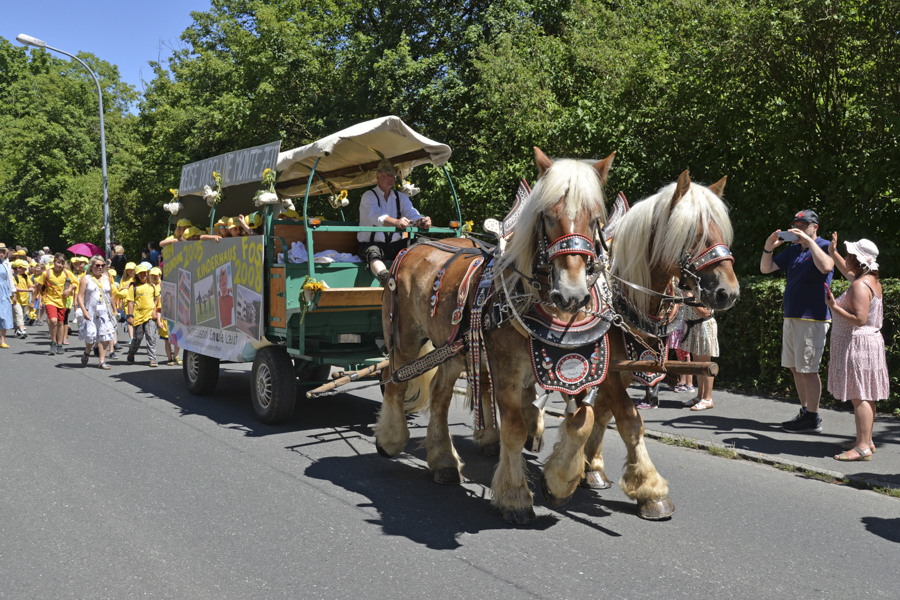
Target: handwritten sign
(241, 166)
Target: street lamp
(33, 41)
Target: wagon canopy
(348, 159)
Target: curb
(757, 457)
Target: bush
(750, 340)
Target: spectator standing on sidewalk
(858, 369)
(807, 267)
(701, 339)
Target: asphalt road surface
(119, 484)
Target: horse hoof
(656, 510)
(382, 451)
(549, 498)
(521, 517)
(534, 444)
(491, 450)
(448, 476)
(595, 481)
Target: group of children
(225, 227)
(57, 293)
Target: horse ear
(604, 166)
(681, 188)
(542, 161)
(718, 187)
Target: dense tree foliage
(797, 101)
(51, 187)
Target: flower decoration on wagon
(211, 196)
(268, 195)
(409, 189)
(175, 206)
(339, 201)
(310, 288)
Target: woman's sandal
(690, 403)
(852, 445)
(104, 366)
(85, 358)
(861, 454)
(703, 405)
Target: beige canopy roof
(348, 158)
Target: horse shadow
(888, 529)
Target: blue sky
(127, 33)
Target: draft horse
(679, 234)
(566, 205)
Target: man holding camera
(808, 270)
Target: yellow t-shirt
(22, 282)
(144, 297)
(164, 329)
(54, 286)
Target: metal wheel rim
(264, 386)
(193, 367)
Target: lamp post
(32, 41)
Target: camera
(787, 236)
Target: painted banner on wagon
(212, 296)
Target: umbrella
(86, 249)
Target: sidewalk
(751, 425)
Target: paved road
(121, 485)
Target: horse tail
(418, 392)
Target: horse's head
(706, 266)
(569, 208)
(681, 232)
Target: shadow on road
(888, 529)
(409, 504)
(230, 406)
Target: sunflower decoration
(174, 206)
(310, 288)
(211, 196)
(339, 201)
(267, 195)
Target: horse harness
(568, 357)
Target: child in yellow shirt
(142, 302)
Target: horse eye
(550, 221)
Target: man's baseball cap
(806, 216)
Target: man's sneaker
(796, 418)
(806, 423)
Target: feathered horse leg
(594, 474)
(444, 462)
(565, 467)
(640, 481)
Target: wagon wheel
(201, 373)
(273, 386)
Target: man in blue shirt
(808, 270)
(154, 254)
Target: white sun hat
(865, 252)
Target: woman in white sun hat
(858, 370)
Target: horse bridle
(570, 243)
(690, 267)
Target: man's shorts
(381, 250)
(802, 344)
(54, 312)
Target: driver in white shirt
(383, 206)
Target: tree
(50, 182)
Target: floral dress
(858, 367)
(97, 302)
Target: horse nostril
(721, 296)
(557, 298)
